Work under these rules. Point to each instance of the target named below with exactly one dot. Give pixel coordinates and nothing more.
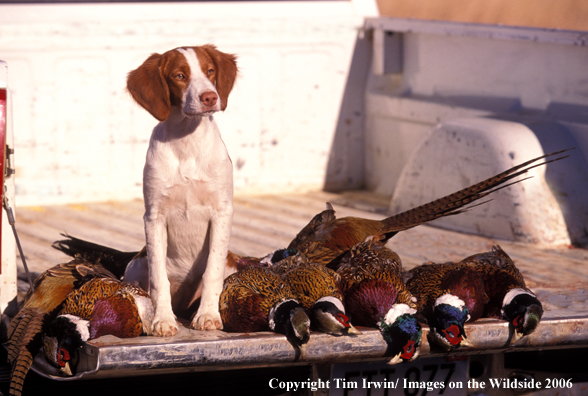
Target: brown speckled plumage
(310, 282)
(316, 287)
(39, 308)
(500, 276)
(98, 298)
(372, 260)
(509, 297)
(430, 281)
(289, 263)
(256, 299)
(376, 296)
(247, 298)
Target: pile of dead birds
(335, 272)
(367, 286)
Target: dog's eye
(210, 72)
(180, 76)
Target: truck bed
(559, 276)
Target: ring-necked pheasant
(326, 238)
(509, 297)
(448, 295)
(376, 296)
(316, 287)
(99, 307)
(40, 307)
(256, 299)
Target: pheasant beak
(395, 360)
(66, 370)
(409, 352)
(302, 349)
(353, 331)
(301, 325)
(516, 336)
(517, 323)
(466, 343)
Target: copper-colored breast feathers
(81, 301)
(248, 297)
(494, 261)
(372, 260)
(311, 282)
(116, 315)
(430, 281)
(425, 283)
(500, 276)
(325, 238)
(109, 305)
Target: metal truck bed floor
(263, 223)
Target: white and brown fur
(187, 185)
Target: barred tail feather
(24, 343)
(17, 334)
(457, 202)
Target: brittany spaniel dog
(187, 185)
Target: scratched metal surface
(263, 223)
(192, 350)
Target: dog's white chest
(192, 166)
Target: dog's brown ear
(148, 87)
(226, 65)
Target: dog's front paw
(207, 321)
(165, 327)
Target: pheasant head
(62, 341)
(327, 315)
(446, 324)
(402, 332)
(288, 317)
(523, 311)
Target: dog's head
(197, 80)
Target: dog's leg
(208, 317)
(164, 321)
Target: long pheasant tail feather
(23, 345)
(114, 260)
(457, 202)
(20, 371)
(15, 340)
(19, 334)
